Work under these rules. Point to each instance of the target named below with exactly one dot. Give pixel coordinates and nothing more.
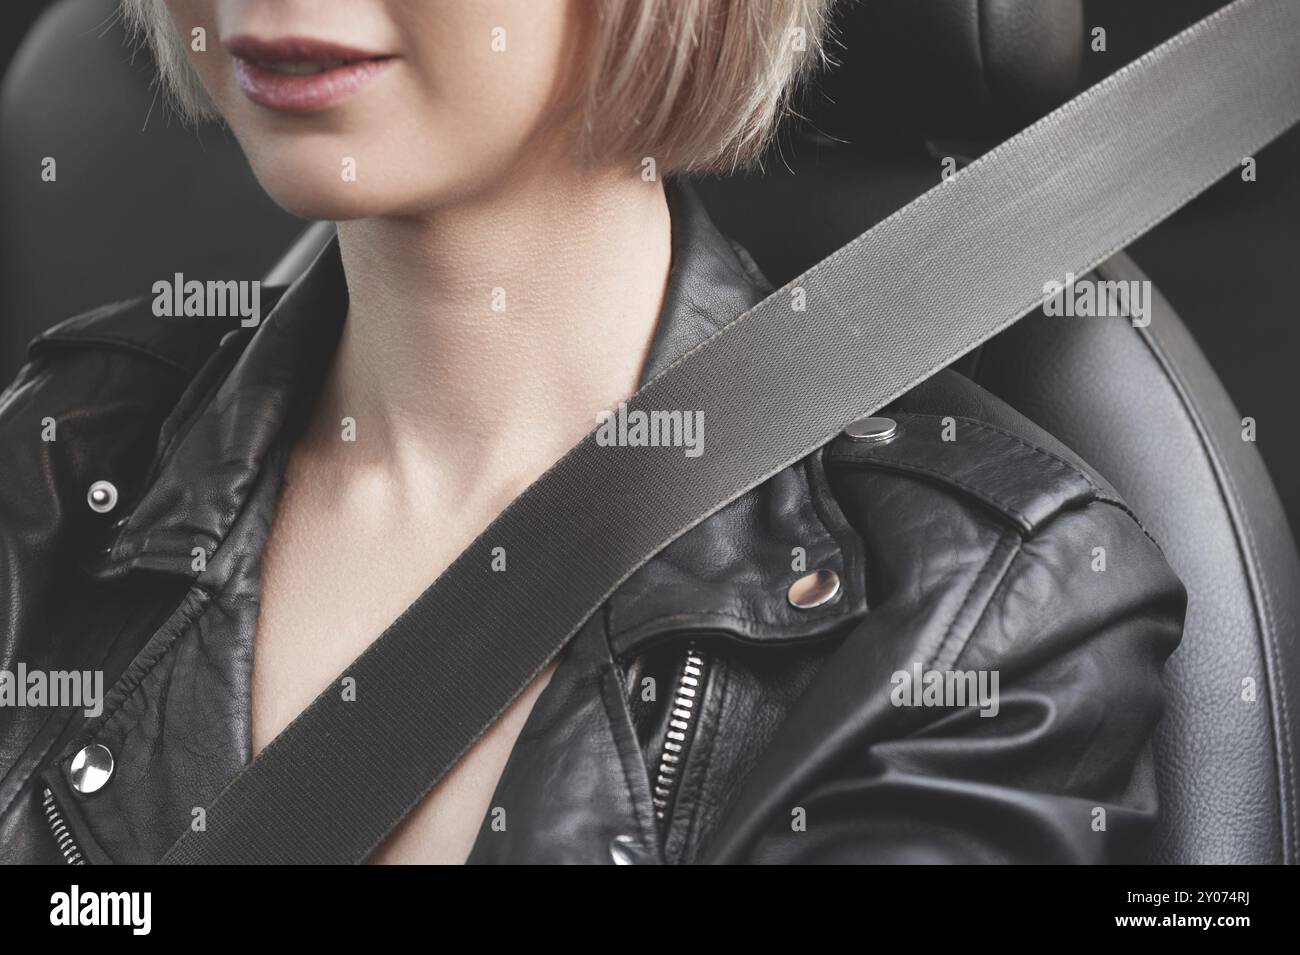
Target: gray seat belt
(907, 298)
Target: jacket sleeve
(1054, 766)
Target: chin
(301, 182)
(303, 172)
(335, 201)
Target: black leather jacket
(701, 716)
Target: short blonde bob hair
(699, 85)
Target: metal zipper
(62, 835)
(681, 727)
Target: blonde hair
(697, 85)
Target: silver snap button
(872, 430)
(91, 768)
(813, 590)
(102, 497)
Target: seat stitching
(1246, 541)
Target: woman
(228, 518)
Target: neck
(485, 336)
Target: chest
(334, 577)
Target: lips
(296, 75)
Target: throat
(502, 327)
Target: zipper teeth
(681, 725)
(67, 845)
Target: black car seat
(919, 81)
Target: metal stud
(102, 497)
(872, 430)
(814, 589)
(91, 768)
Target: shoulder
(93, 397)
(131, 328)
(119, 357)
(976, 518)
(964, 443)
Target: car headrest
(949, 69)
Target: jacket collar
(730, 573)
